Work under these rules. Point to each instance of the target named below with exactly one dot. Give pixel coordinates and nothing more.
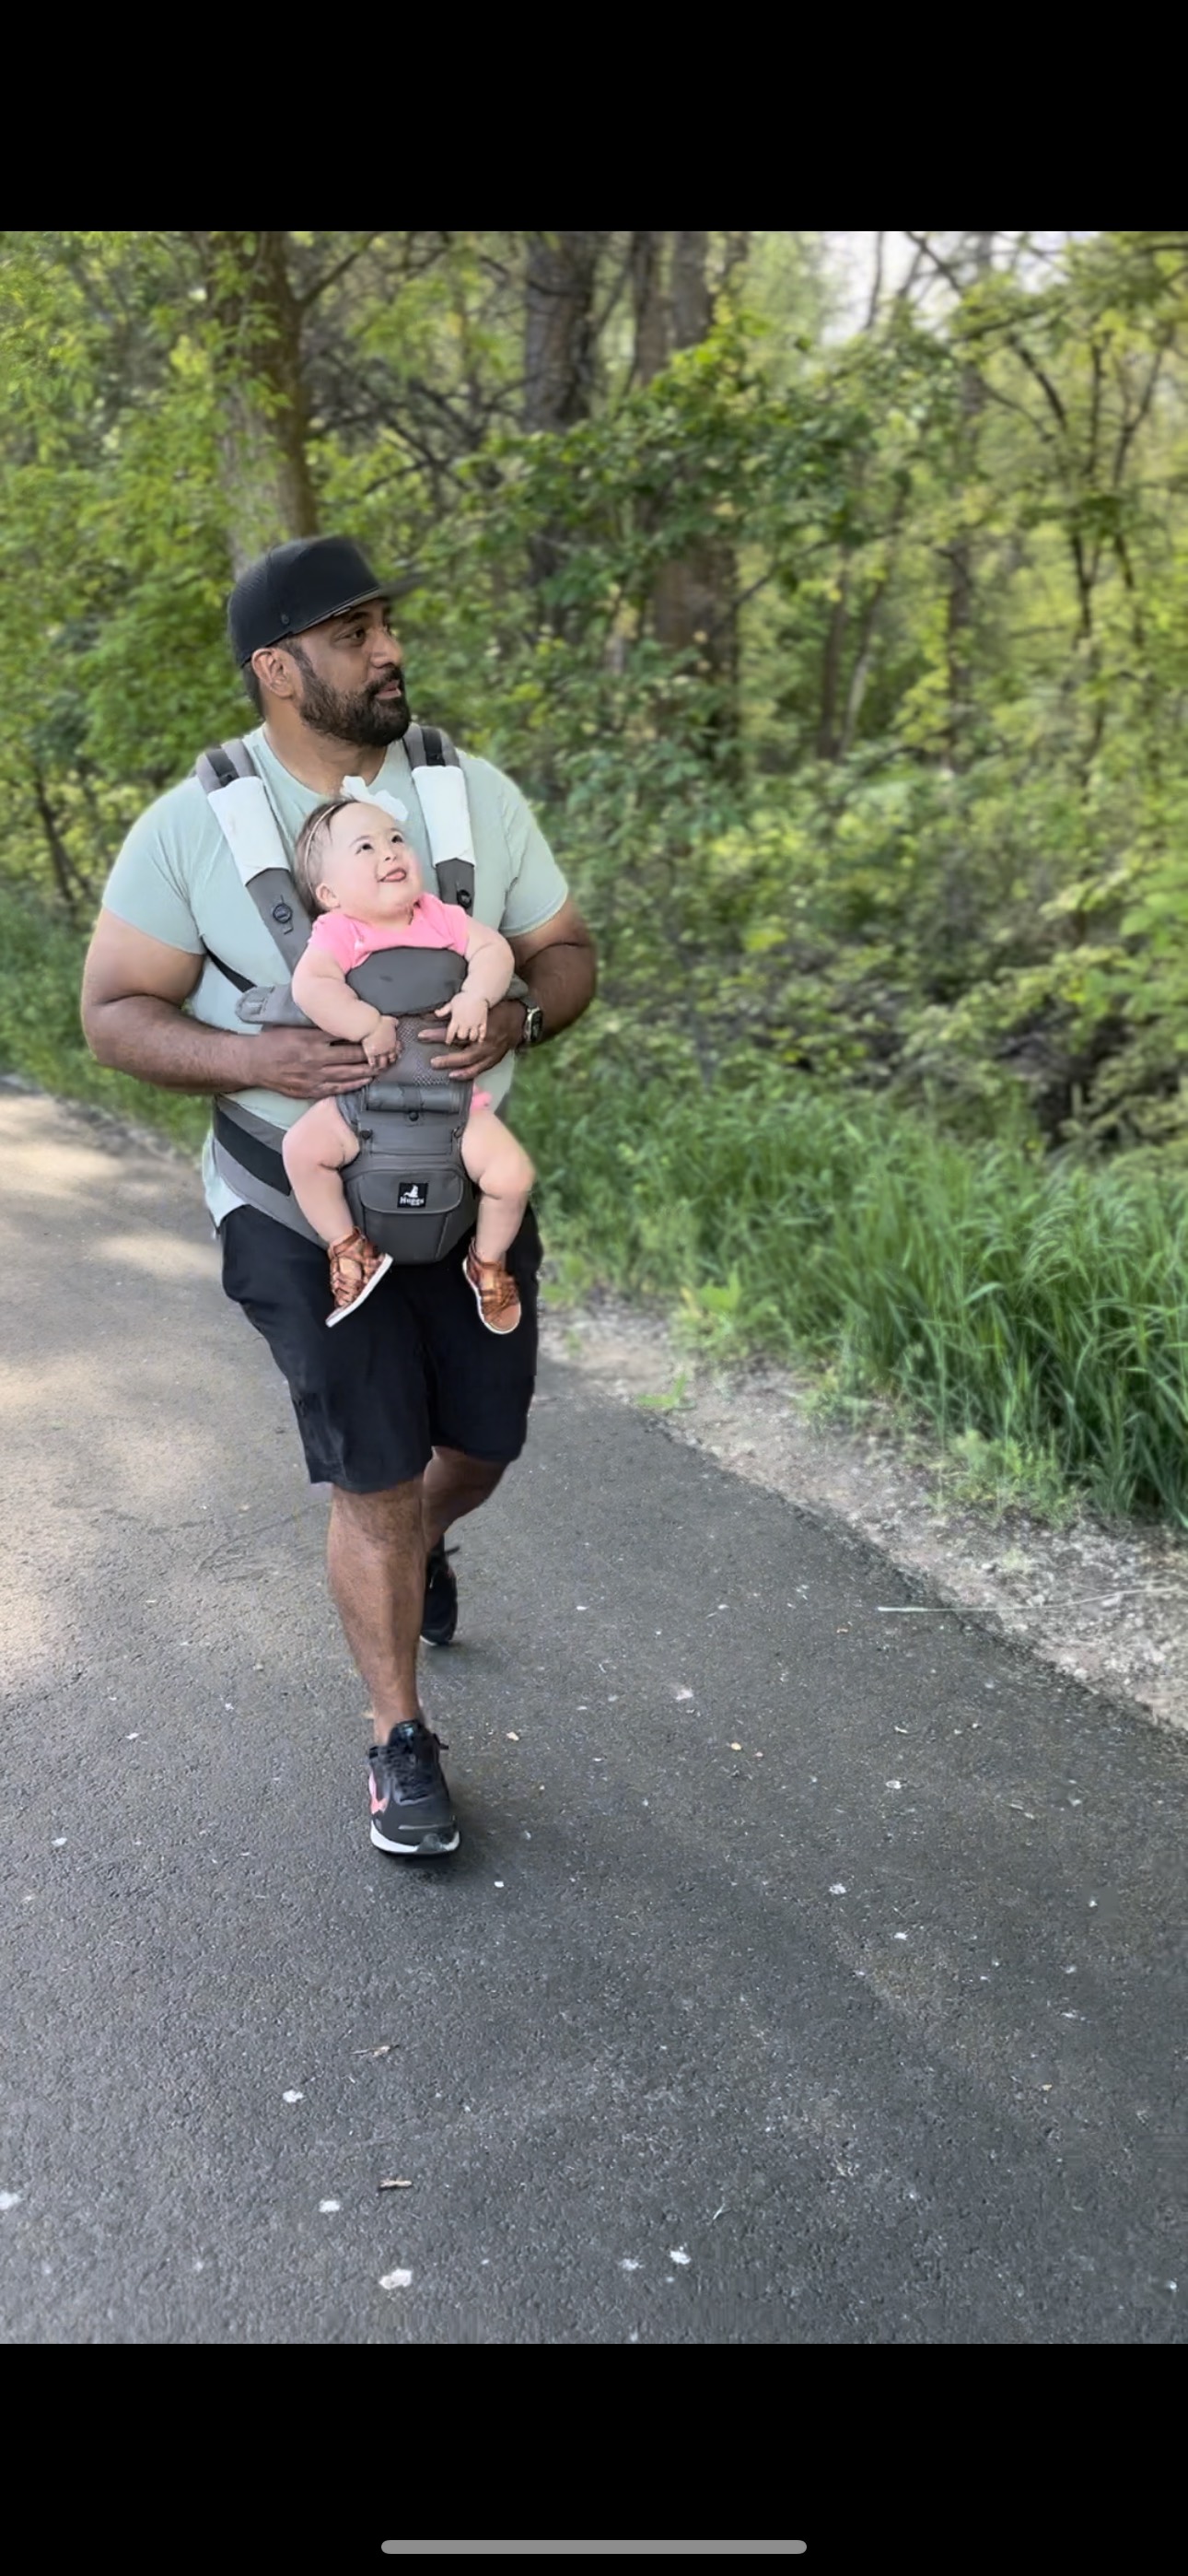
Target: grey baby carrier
(407, 1188)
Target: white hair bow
(375, 796)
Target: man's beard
(362, 718)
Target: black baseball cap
(297, 585)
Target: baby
(362, 878)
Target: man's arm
(560, 968)
(559, 965)
(132, 1017)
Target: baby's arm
(490, 967)
(321, 990)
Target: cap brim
(394, 589)
(400, 584)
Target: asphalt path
(811, 1970)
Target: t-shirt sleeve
(537, 888)
(333, 932)
(147, 888)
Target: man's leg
(451, 1486)
(375, 1559)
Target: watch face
(533, 1025)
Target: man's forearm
(160, 1044)
(562, 979)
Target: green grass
(1035, 1317)
(40, 1037)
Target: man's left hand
(505, 1028)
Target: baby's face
(368, 868)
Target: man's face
(351, 677)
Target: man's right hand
(304, 1064)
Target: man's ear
(276, 670)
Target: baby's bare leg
(315, 1150)
(503, 1176)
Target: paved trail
(806, 1974)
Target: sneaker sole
(440, 1642)
(427, 1846)
(340, 1313)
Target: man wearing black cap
(412, 1415)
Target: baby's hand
(382, 1046)
(467, 1018)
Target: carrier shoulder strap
(240, 800)
(429, 748)
(441, 794)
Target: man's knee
(394, 1515)
(463, 1474)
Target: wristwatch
(533, 1034)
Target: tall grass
(1039, 1308)
(1035, 1307)
(40, 1037)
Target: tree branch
(330, 276)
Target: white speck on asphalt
(899, 1936)
(327, 2208)
(676, 2253)
(9, 2199)
(59, 1841)
(499, 1882)
(892, 1784)
(838, 1887)
(627, 2265)
(292, 2097)
(395, 2280)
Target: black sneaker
(410, 1803)
(439, 1618)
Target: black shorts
(415, 1370)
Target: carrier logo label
(413, 1194)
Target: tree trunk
(69, 883)
(693, 601)
(257, 354)
(560, 353)
(828, 732)
(649, 299)
(960, 606)
(559, 338)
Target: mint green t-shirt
(175, 879)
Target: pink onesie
(434, 924)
